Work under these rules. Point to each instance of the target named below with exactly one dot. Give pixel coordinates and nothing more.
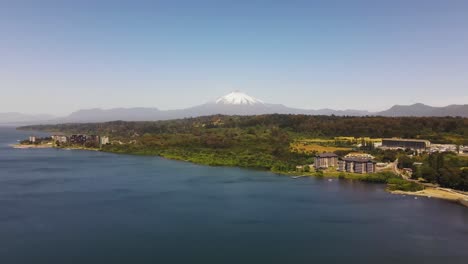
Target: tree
(428, 173)
(449, 177)
(463, 180)
(389, 156)
(405, 162)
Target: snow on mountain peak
(238, 98)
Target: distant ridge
(235, 103)
(425, 110)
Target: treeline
(258, 148)
(437, 129)
(446, 169)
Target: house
(325, 160)
(32, 139)
(357, 165)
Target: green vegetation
(446, 169)
(437, 129)
(403, 185)
(272, 142)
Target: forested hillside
(437, 129)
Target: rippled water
(64, 206)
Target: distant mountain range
(425, 110)
(235, 103)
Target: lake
(72, 206)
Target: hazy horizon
(62, 56)
(201, 103)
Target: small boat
(296, 177)
(330, 180)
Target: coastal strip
(439, 193)
(31, 146)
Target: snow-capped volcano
(238, 98)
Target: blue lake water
(71, 206)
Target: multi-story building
(59, 138)
(104, 140)
(326, 160)
(78, 139)
(399, 143)
(356, 165)
(93, 139)
(32, 139)
(341, 166)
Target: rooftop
(357, 160)
(327, 155)
(406, 139)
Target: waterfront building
(400, 143)
(104, 140)
(32, 139)
(59, 138)
(93, 139)
(325, 160)
(356, 165)
(78, 139)
(341, 165)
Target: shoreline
(42, 146)
(45, 146)
(428, 192)
(437, 193)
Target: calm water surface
(64, 206)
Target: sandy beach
(19, 146)
(439, 193)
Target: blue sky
(61, 56)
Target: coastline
(428, 192)
(42, 146)
(438, 193)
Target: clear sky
(61, 56)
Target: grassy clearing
(302, 147)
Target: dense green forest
(436, 129)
